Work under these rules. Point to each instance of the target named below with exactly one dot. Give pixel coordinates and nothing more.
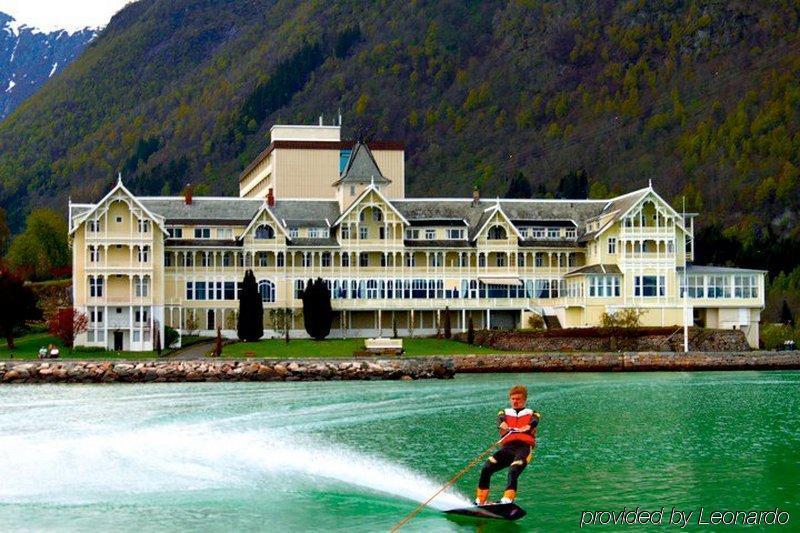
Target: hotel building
(313, 205)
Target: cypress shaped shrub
(317, 310)
(250, 324)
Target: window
(381, 233)
(481, 260)
(377, 215)
(500, 260)
(345, 232)
(167, 259)
(718, 287)
(411, 260)
(94, 254)
(119, 220)
(383, 260)
(538, 233)
(745, 287)
(313, 233)
(264, 232)
(539, 259)
(649, 286)
(604, 286)
(294, 233)
(141, 286)
(144, 226)
(205, 259)
(202, 233)
(229, 290)
(612, 245)
(141, 316)
(95, 286)
(224, 233)
(227, 259)
(430, 234)
(523, 232)
(412, 234)
(363, 233)
(326, 259)
(324, 233)
(96, 317)
(497, 233)
(571, 233)
(670, 247)
(344, 156)
(520, 260)
(298, 289)
(175, 233)
(363, 259)
(199, 290)
(345, 259)
(279, 260)
(144, 254)
(352, 190)
(553, 233)
(188, 259)
(267, 290)
(93, 226)
(262, 259)
(306, 259)
(435, 259)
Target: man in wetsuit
(518, 428)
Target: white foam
(95, 466)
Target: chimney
(270, 198)
(476, 196)
(187, 194)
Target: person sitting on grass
(43, 352)
(517, 426)
(54, 353)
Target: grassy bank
(277, 348)
(27, 347)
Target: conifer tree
(317, 310)
(250, 325)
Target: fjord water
(355, 456)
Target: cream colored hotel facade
(312, 205)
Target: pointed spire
(119, 178)
(649, 184)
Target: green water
(351, 456)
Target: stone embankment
(223, 370)
(628, 362)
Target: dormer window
(313, 233)
(538, 233)
(412, 234)
(175, 233)
(265, 231)
(571, 233)
(456, 233)
(293, 233)
(430, 234)
(202, 233)
(553, 233)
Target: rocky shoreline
(400, 368)
(67, 371)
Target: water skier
(517, 426)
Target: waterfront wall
(651, 339)
(628, 361)
(223, 370)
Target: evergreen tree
(317, 310)
(519, 187)
(250, 326)
(574, 185)
(786, 314)
(470, 332)
(448, 332)
(19, 305)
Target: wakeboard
(500, 511)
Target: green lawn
(27, 347)
(277, 348)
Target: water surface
(355, 456)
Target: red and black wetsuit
(515, 453)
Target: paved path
(199, 350)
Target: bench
(384, 346)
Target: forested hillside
(699, 96)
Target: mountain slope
(29, 57)
(698, 96)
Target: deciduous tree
(66, 323)
(19, 305)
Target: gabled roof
(488, 215)
(265, 209)
(119, 187)
(362, 168)
(370, 188)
